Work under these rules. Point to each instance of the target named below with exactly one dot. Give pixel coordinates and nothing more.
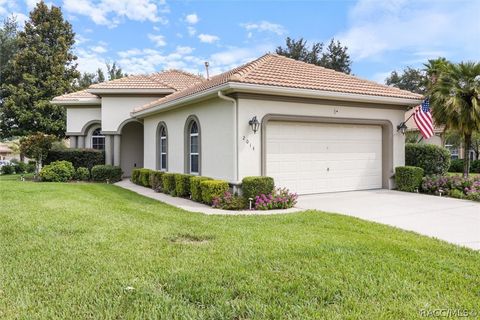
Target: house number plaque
(248, 143)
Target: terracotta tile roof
(170, 79)
(75, 96)
(275, 70)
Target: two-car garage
(315, 157)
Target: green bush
(182, 185)
(78, 157)
(168, 181)
(455, 193)
(156, 180)
(106, 173)
(144, 177)
(135, 178)
(431, 158)
(195, 190)
(58, 171)
(20, 167)
(255, 186)
(82, 174)
(475, 166)
(456, 165)
(229, 201)
(408, 178)
(31, 166)
(213, 189)
(8, 169)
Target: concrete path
(452, 220)
(192, 205)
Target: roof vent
(206, 69)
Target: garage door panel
(314, 157)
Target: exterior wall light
(254, 124)
(402, 127)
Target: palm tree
(454, 98)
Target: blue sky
(150, 35)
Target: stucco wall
(116, 109)
(250, 143)
(217, 136)
(131, 150)
(78, 116)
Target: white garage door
(317, 157)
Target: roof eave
(283, 91)
(121, 91)
(78, 102)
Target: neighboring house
(318, 130)
(5, 152)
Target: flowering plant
(470, 187)
(280, 198)
(229, 201)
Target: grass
(95, 251)
(471, 175)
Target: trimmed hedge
(144, 177)
(456, 165)
(182, 185)
(431, 158)
(156, 180)
(168, 181)
(195, 190)
(408, 178)
(135, 178)
(102, 173)
(57, 171)
(82, 174)
(78, 157)
(213, 189)
(475, 166)
(255, 186)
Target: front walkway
(453, 220)
(192, 205)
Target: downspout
(235, 125)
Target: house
(6, 153)
(312, 129)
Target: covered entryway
(317, 157)
(127, 147)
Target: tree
(114, 71)
(43, 67)
(36, 146)
(8, 43)
(87, 79)
(414, 80)
(454, 139)
(335, 57)
(455, 100)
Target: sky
(145, 36)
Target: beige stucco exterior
(79, 116)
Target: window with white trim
(163, 148)
(194, 148)
(98, 140)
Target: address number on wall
(248, 143)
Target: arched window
(163, 147)
(193, 147)
(98, 140)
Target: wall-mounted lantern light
(254, 124)
(402, 127)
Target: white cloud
(159, 40)
(191, 31)
(265, 26)
(407, 26)
(192, 18)
(184, 50)
(89, 61)
(112, 12)
(208, 38)
(98, 49)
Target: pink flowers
(280, 198)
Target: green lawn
(95, 251)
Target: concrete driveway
(452, 220)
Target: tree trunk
(466, 154)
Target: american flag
(423, 119)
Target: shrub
(156, 180)
(472, 192)
(455, 193)
(229, 201)
(78, 157)
(20, 167)
(212, 188)
(456, 165)
(58, 171)
(82, 174)
(144, 177)
(475, 166)
(255, 186)
(182, 185)
(408, 178)
(106, 173)
(195, 190)
(135, 178)
(168, 181)
(31, 166)
(279, 198)
(8, 169)
(431, 158)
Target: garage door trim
(387, 137)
